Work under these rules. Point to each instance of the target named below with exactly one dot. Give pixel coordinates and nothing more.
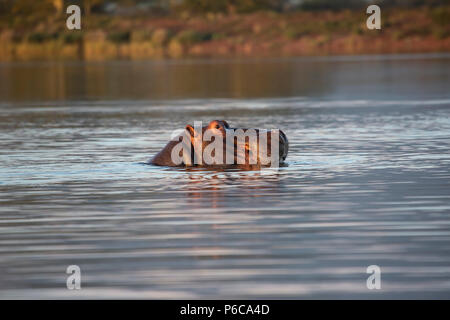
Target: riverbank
(263, 34)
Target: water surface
(367, 181)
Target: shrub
(291, 34)
(295, 32)
(204, 6)
(441, 33)
(241, 6)
(39, 37)
(189, 37)
(72, 37)
(217, 36)
(331, 4)
(440, 16)
(119, 37)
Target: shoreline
(256, 35)
(110, 51)
(187, 60)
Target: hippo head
(221, 128)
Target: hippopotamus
(217, 144)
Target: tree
(332, 4)
(89, 4)
(242, 6)
(5, 6)
(32, 8)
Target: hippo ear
(226, 124)
(190, 129)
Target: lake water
(367, 181)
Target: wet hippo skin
(220, 128)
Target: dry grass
(218, 35)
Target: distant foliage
(38, 9)
(30, 11)
(240, 6)
(441, 16)
(332, 4)
(39, 37)
(413, 3)
(72, 37)
(205, 5)
(119, 37)
(190, 37)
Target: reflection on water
(367, 180)
(334, 77)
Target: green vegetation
(189, 37)
(331, 5)
(119, 37)
(239, 6)
(39, 37)
(31, 29)
(72, 37)
(441, 16)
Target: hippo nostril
(164, 157)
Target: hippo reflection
(219, 145)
